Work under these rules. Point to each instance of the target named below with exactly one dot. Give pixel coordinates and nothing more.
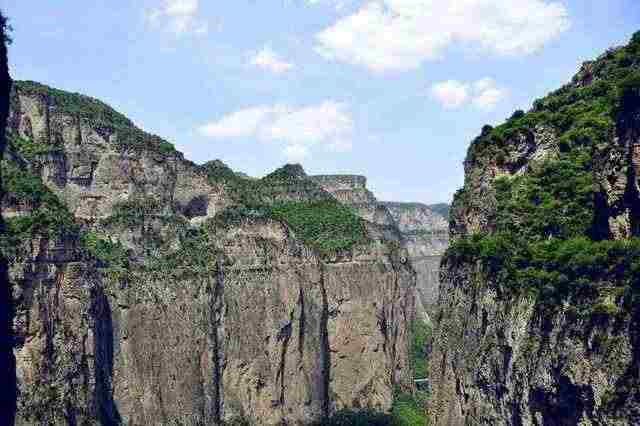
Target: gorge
(142, 288)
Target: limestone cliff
(150, 290)
(538, 310)
(426, 237)
(423, 233)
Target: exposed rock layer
(424, 233)
(508, 357)
(271, 332)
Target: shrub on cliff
(326, 225)
(352, 417)
(549, 235)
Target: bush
(406, 411)
(420, 333)
(109, 253)
(364, 417)
(45, 214)
(325, 224)
(518, 114)
(27, 148)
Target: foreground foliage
(550, 238)
(406, 411)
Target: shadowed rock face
(267, 330)
(523, 355)
(7, 361)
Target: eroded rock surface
(255, 325)
(552, 337)
(424, 234)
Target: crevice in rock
(105, 406)
(325, 350)
(284, 335)
(216, 310)
(301, 323)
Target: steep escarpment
(151, 290)
(7, 361)
(426, 237)
(423, 233)
(539, 309)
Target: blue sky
(392, 89)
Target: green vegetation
(27, 148)
(556, 269)
(100, 116)
(40, 213)
(286, 173)
(43, 213)
(555, 199)
(406, 411)
(326, 224)
(111, 255)
(287, 195)
(363, 417)
(548, 238)
(420, 333)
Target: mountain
(441, 208)
(147, 289)
(539, 307)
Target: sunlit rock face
(426, 236)
(254, 325)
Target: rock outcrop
(424, 233)
(7, 360)
(426, 237)
(538, 310)
(150, 290)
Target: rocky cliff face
(538, 310)
(150, 290)
(7, 360)
(426, 237)
(352, 191)
(423, 232)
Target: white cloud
(296, 153)
(328, 124)
(450, 93)
(179, 17)
(483, 94)
(270, 60)
(388, 35)
(487, 94)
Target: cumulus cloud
(179, 17)
(450, 93)
(270, 60)
(483, 94)
(398, 35)
(300, 129)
